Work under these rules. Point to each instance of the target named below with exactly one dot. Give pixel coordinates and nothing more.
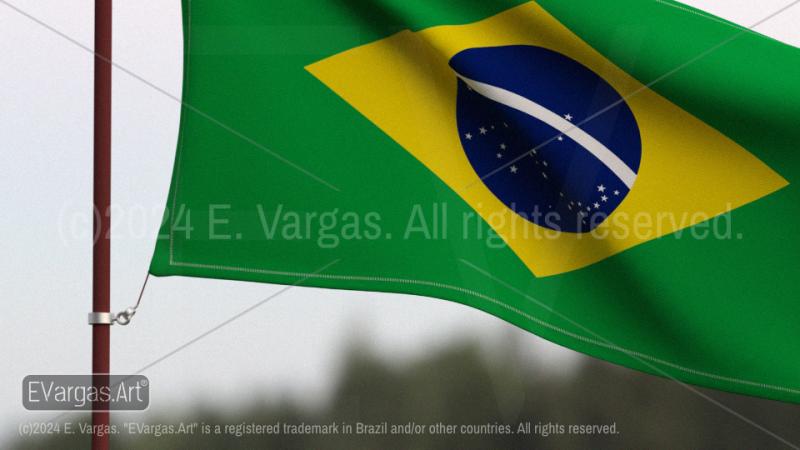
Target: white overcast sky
(290, 346)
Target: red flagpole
(101, 264)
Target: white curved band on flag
(533, 109)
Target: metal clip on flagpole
(107, 318)
(123, 317)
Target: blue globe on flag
(548, 137)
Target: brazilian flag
(613, 176)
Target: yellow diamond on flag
(666, 169)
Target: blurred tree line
(460, 385)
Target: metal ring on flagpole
(101, 318)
